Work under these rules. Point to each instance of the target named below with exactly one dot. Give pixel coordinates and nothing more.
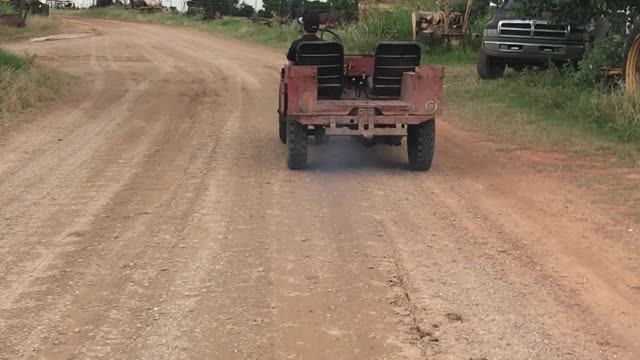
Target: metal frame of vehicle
(356, 113)
(421, 100)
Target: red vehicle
(381, 98)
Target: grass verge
(24, 85)
(585, 135)
(545, 110)
(35, 26)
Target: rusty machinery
(632, 65)
(629, 73)
(451, 25)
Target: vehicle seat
(328, 57)
(391, 60)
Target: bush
(625, 109)
(10, 61)
(607, 52)
(392, 25)
(7, 8)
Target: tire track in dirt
(100, 177)
(40, 226)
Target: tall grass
(36, 26)
(363, 36)
(24, 85)
(625, 110)
(545, 108)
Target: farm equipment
(61, 4)
(451, 25)
(379, 98)
(629, 73)
(632, 62)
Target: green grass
(9, 61)
(546, 110)
(24, 85)
(450, 55)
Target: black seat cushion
(328, 56)
(391, 60)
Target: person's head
(310, 23)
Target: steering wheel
(336, 37)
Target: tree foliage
(580, 11)
(345, 9)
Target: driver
(310, 23)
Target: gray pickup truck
(520, 43)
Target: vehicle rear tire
(421, 144)
(488, 67)
(282, 128)
(297, 139)
(632, 62)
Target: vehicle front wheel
(421, 144)
(297, 139)
(489, 67)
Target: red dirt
(153, 217)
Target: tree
(580, 11)
(347, 10)
(245, 10)
(274, 7)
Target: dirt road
(152, 216)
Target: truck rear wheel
(489, 67)
(297, 144)
(421, 144)
(282, 128)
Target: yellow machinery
(632, 66)
(450, 25)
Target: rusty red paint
(358, 65)
(421, 98)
